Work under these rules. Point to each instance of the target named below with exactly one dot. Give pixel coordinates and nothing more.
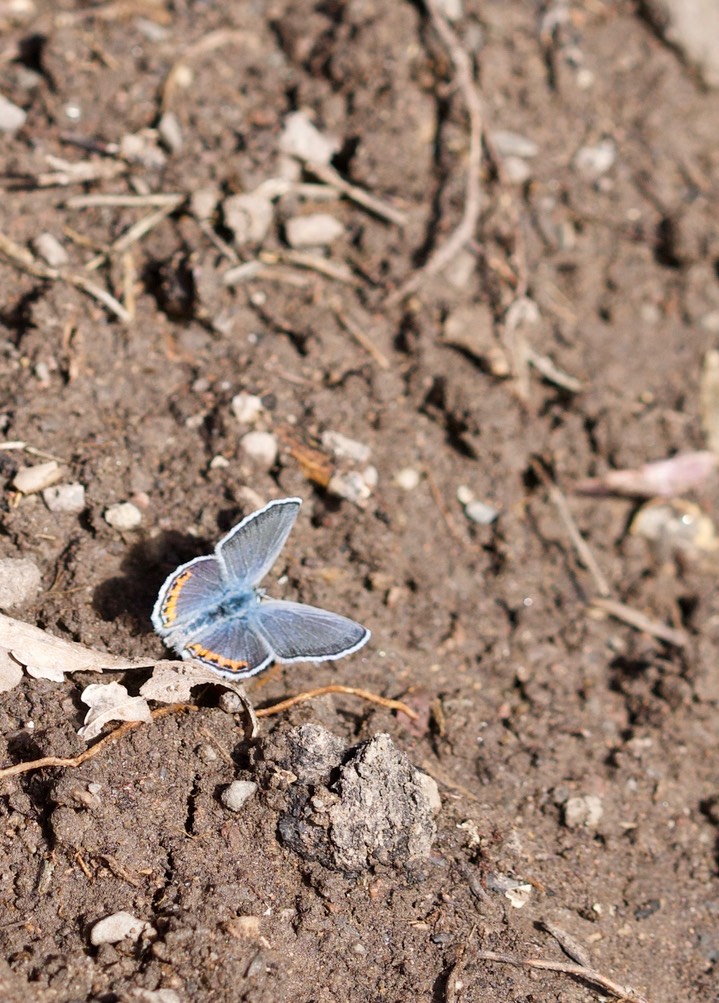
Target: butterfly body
(212, 609)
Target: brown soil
(527, 699)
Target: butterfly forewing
(296, 632)
(252, 547)
(187, 594)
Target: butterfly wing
(250, 549)
(298, 633)
(186, 596)
(230, 647)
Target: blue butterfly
(211, 609)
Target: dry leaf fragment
(10, 671)
(172, 682)
(661, 479)
(48, 655)
(110, 702)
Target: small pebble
(513, 144)
(584, 811)
(123, 516)
(315, 230)
(29, 480)
(470, 328)
(346, 448)
(303, 140)
(119, 926)
(479, 512)
(50, 250)
(230, 702)
(593, 161)
(261, 447)
(65, 498)
(142, 148)
(249, 217)
(170, 132)
(408, 478)
(203, 203)
(516, 170)
(352, 486)
(453, 10)
(246, 408)
(237, 793)
(12, 118)
(219, 462)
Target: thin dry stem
(352, 691)
(624, 993)
(472, 200)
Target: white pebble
(303, 140)
(65, 498)
(477, 511)
(593, 161)
(261, 447)
(513, 144)
(123, 516)
(203, 203)
(316, 230)
(408, 478)
(28, 480)
(219, 462)
(246, 408)
(19, 581)
(346, 448)
(249, 217)
(50, 250)
(12, 118)
(465, 495)
(584, 811)
(352, 486)
(516, 170)
(119, 926)
(237, 793)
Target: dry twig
(135, 232)
(623, 993)
(331, 177)
(465, 230)
(395, 705)
(620, 611)
(23, 260)
(362, 339)
(40, 764)
(580, 544)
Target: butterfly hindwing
(296, 632)
(187, 595)
(250, 549)
(230, 647)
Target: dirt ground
(576, 756)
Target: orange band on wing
(169, 607)
(213, 658)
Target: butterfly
(212, 610)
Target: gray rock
(350, 809)
(513, 144)
(584, 811)
(19, 581)
(692, 27)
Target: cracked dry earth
(562, 767)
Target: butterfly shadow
(128, 598)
